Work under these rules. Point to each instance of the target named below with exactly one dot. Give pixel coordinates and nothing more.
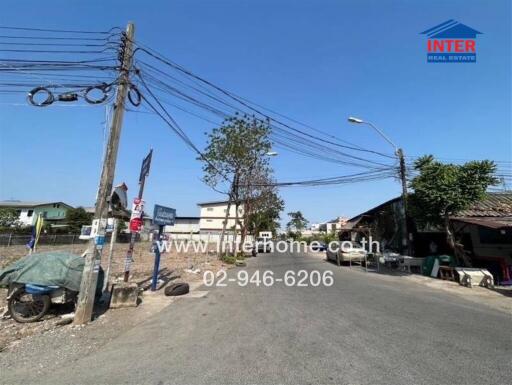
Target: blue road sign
(164, 216)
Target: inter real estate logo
(451, 42)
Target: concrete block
(124, 295)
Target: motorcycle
(30, 302)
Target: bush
(240, 256)
(229, 259)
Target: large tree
(234, 150)
(443, 190)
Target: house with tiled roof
(487, 234)
(485, 230)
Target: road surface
(361, 330)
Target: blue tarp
(48, 269)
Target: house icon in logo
(451, 42)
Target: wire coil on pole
(49, 97)
(105, 88)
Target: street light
(400, 155)
(351, 119)
(271, 153)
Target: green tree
(121, 226)
(296, 224)
(443, 190)
(76, 218)
(9, 218)
(234, 150)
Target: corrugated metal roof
(494, 205)
(493, 222)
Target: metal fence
(12, 239)
(7, 240)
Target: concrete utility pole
(403, 179)
(405, 225)
(86, 296)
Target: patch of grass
(229, 259)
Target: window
(209, 220)
(209, 209)
(30, 213)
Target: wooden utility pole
(86, 296)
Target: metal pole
(113, 239)
(86, 295)
(157, 259)
(129, 255)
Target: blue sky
(316, 61)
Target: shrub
(229, 259)
(240, 256)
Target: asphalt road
(362, 330)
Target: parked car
(318, 246)
(352, 251)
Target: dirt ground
(172, 267)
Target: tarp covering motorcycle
(47, 269)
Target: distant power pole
(405, 225)
(86, 296)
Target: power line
(246, 104)
(276, 130)
(59, 30)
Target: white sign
(96, 229)
(137, 208)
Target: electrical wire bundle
(166, 85)
(197, 96)
(58, 66)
